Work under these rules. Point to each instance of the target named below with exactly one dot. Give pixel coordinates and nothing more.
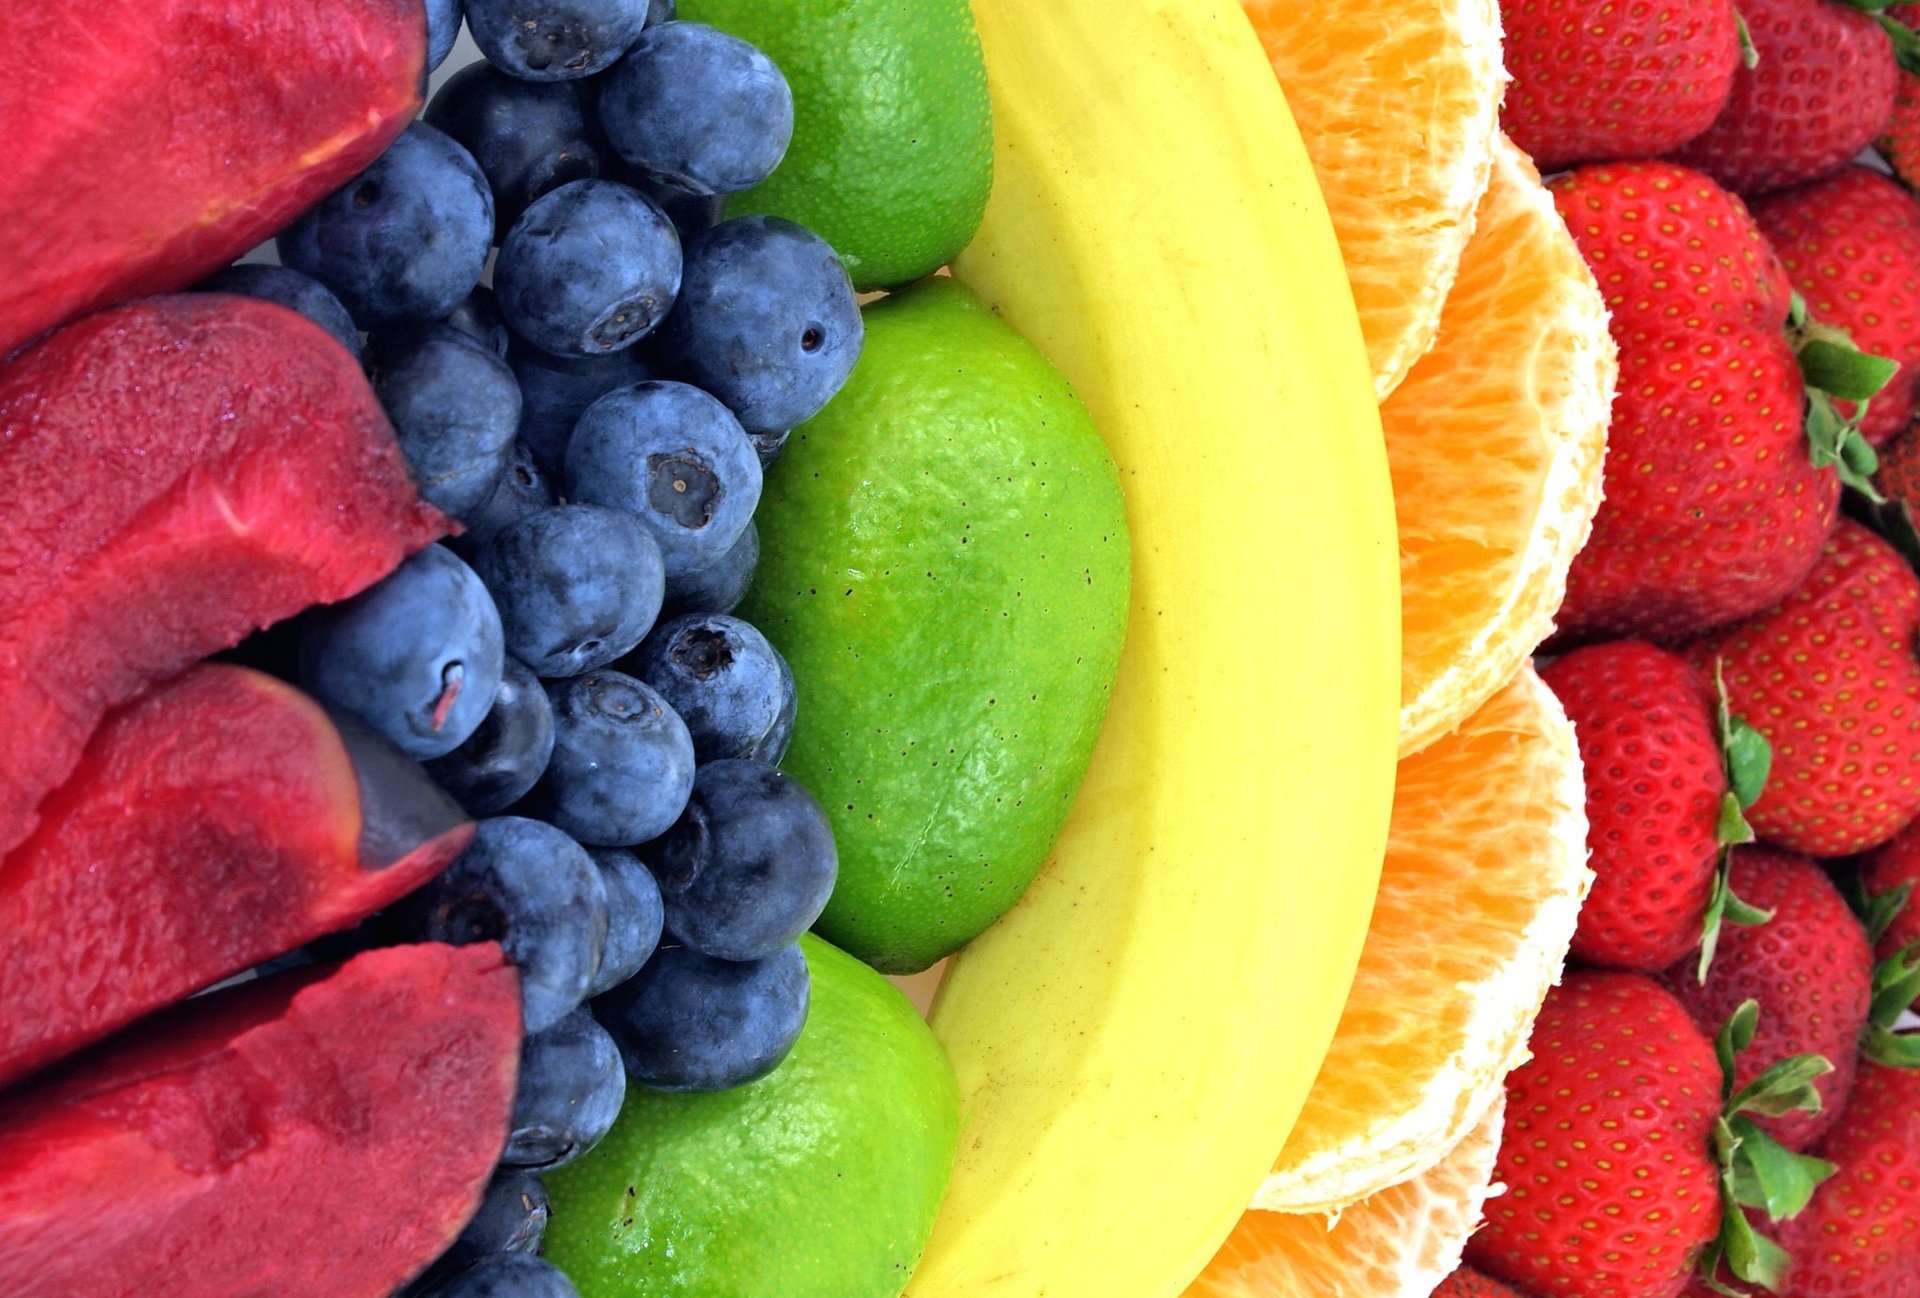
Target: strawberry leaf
(1842, 370)
(1735, 1035)
(1894, 1049)
(1750, 1255)
(1782, 1088)
(1723, 904)
(1906, 46)
(1832, 440)
(1878, 910)
(1749, 52)
(1769, 1176)
(1896, 982)
(1732, 828)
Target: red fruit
(253, 836)
(1851, 244)
(1893, 863)
(1611, 1189)
(1809, 968)
(323, 1134)
(1830, 678)
(1822, 90)
(1900, 145)
(1599, 79)
(1644, 719)
(1469, 1283)
(130, 171)
(175, 474)
(1898, 477)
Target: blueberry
(529, 137)
(673, 457)
(570, 1090)
(730, 686)
(554, 40)
(455, 407)
(512, 1219)
(660, 11)
(502, 760)
(588, 269)
(698, 108)
(766, 320)
(443, 29)
(478, 317)
(688, 1022)
(749, 865)
(406, 238)
(719, 586)
(577, 586)
(622, 761)
(506, 1275)
(769, 445)
(692, 214)
(556, 390)
(289, 288)
(523, 489)
(634, 916)
(529, 887)
(417, 656)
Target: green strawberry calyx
(1757, 1171)
(1833, 369)
(1906, 46)
(1748, 758)
(1896, 980)
(1749, 52)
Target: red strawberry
(1894, 864)
(1860, 1238)
(1830, 678)
(1810, 969)
(1900, 145)
(1601, 79)
(1469, 1283)
(1899, 474)
(1644, 719)
(1851, 244)
(1822, 90)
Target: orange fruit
(1398, 102)
(1495, 441)
(1398, 1243)
(1485, 869)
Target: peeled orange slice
(1398, 1243)
(1484, 873)
(1495, 441)
(1398, 102)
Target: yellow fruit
(1496, 439)
(1398, 102)
(1134, 1039)
(1485, 870)
(1398, 1243)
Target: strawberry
(1821, 90)
(1600, 79)
(1898, 476)
(1851, 244)
(1830, 678)
(1900, 144)
(1895, 865)
(1469, 1283)
(1810, 970)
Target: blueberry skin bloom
(554, 40)
(443, 29)
(717, 587)
(688, 1022)
(501, 761)
(694, 107)
(287, 287)
(556, 390)
(635, 916)
(417, 656)
(570, 1090)
(588, 269)
(529, 887)
(766, 320)
(506, 1275)
(529, 137)
(622, 761)
(577, 587)
(677, 460)
(749, 865)
(523, 489)
(406, 238)
(455, 408)
(731, 687)
(512, 1218)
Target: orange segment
(1484, 872)
(1495, 440)
(1398, 102)
(1399, 1243)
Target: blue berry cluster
(597, 417)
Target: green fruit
(820, 1180)
(944, 564)
(892, 152)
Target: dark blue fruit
(506, 1275)
(455, 408)
(766, 321)
(418, 656)
(291, 289)
(769, 445)
(588, 269)
(522, 490)
(529, 137)
(730, 686)
(556, 390)
(571, 1087)
(501, 761)
(512, 1219)
(748, 866)
(478, 317)
(692, 214)
(443, 29)
(695, 107)
(721, 585)
(622, 762)
(676, 459)
(529, 887)
(661, 11)
(405, 239)
(634, 916)
(577, 587)
(688, 1022)
(554, 40)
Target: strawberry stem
(1832, 368)
(1749, 53)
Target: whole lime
(892, 152)
(944, 565)
(820, 1180)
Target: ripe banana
(1134, 1040)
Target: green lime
(944, 564)
(820, 1180)
(892, 151)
